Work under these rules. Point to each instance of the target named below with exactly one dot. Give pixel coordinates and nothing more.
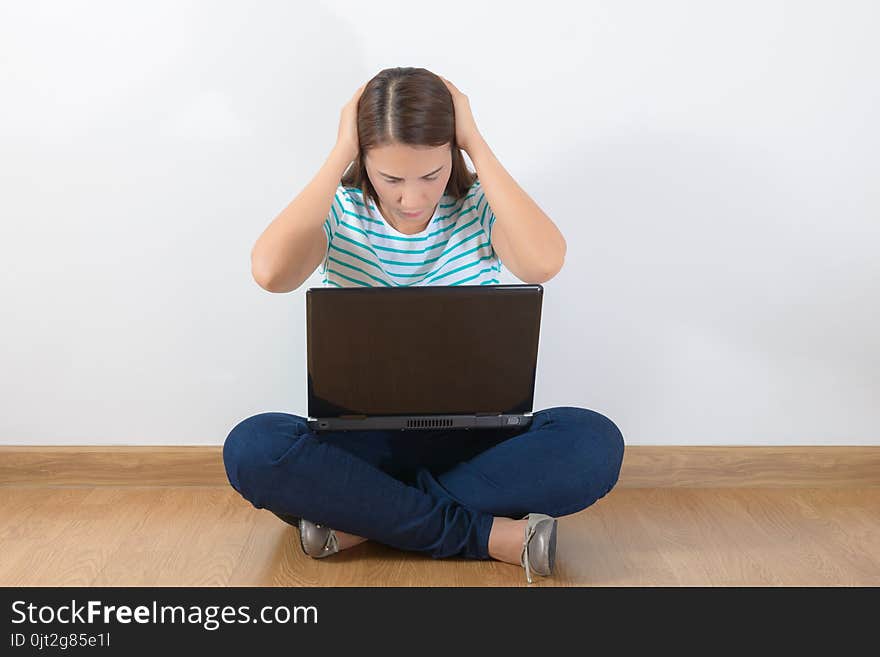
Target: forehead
(402, 161)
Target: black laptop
(422, 358)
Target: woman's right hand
(347, 138)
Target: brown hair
(409, 106)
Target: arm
(526, 239)
(293, 245)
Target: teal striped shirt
(455, 248)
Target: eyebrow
(425, 176)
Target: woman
(409, 212)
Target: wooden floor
(210, 536)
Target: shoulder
(348, 195)
(469, 198)
(474, 190)
(351, 201)
(474, 199)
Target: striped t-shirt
(455, 248)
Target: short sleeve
(331, 222)
(484, 212)
(485, 215)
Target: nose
(411, 201)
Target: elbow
(547, 273)
(557, 264)
(542, 270)
(273, 278)
(558, 268)
(269, 284)
(261, 279)
(264, 276)
(261, 274)
(265, 282)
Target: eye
(393, 182)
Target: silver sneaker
(316, 540)
(539, 545)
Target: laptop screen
(422, 350)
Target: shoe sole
(552, 547)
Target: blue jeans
(427, 491)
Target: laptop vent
(429, 423)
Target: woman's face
(409, 179)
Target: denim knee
(598, 448)
(235, 451)
(247, 454)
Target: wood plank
(35, 526)
(111, 465)
(210, 536)
(807, 466)
(644, 466)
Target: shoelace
(524, 557)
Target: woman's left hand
(466, 132)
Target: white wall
(713, 167)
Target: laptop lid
(382, 357)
